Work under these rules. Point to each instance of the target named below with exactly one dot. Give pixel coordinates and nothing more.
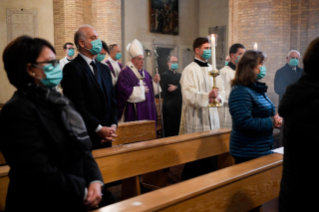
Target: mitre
(135, 48)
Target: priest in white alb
(197, 93)
(136, 89)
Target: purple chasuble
(145, 110)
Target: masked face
(53, 73)
(262, 72)
(96, 46)
(100, 57)
(70, 52)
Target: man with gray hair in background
(288, 74)
(113, 61)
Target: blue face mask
(53, 75)
(71, 52)
(118, 56)
(207, 54)
(226, 63)
(236, 61)
(293, 62)
(100, 57)
(174, 66)
(262, 72)
(96, 46)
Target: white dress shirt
(116, 66)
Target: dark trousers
(199, 167)
(239, 160)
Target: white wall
(136, 25)
(213, 13)
(45, 30)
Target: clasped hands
(213, 94)
(107, 134)
(277, 121)
(94, 195)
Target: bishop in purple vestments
(136, 89)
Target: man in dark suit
(88, 84)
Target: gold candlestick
(214, 73)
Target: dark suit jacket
(285, 77)
(96, 105)
(48, 173)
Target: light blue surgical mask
(293, 62)
(207, 54)
(118, 56)
(96, 46)
(236, 61)
(174, 66)
(71, 52)
(226, 63)
(262, 72)
(100, 57)
(53, 75)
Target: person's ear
(30, 69)
(81, 43)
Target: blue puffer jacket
(252, 131)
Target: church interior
(143, 169)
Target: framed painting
(164, 16)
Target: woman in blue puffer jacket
(253, 113)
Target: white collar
(201, 60)
(87, 60)
(135, 71)
(110, 59)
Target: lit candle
(213, 52)
(256, 46)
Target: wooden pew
(241, 187)
(127, 132)
(131, 160)
(134, 131)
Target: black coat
(299, 108)
(96, 105)
(285, 77)
(172, 103)
(47, 172)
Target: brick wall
(103, 15)
(277, 25)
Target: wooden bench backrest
(127, 132)
(121, 162)
(130, 160)
(237, 188)
(134, 131)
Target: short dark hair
(25, 50)
(112, 46)
(310, 59)
(198, 42)
(66, 45)
(245, 73)
(234, 48)
(105, 47)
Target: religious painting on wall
(164, 16)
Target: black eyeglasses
(53, 62)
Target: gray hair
(169, 58)
(80, 35)
(293, 51)
(111, 47)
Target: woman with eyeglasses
(43, 138)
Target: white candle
(213, 52)
(256, 46)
